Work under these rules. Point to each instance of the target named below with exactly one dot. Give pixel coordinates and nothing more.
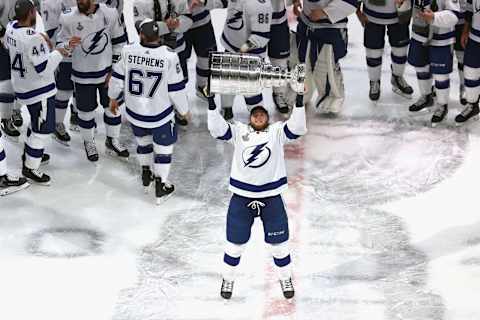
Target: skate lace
(37, 173)
(401, 82)
(287, 285)
(61, 129)
(467, 110)
(12, 178)
(375, 86)
(91, 148)
(256, 205)
(117, 145)
(439, 111)
(227, 286)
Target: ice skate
(471, 112)
(163, 191)
(115, 149)
(147, 178)
(439, 115)
(61, 135)
(10, 184)
(374, 92)
(91, 150)
(74, 122)
(422, 103)
(227, 289)
(36, 176)
(287, 288)
(401, 87)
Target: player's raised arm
(176, 85)
(218, 127)
(296, 126)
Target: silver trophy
(245, 74)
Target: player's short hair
(23, 8)
(149, 29)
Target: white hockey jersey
(151, 81)
(32, 64)
(51, 11)
(258, 165)
(200, 16)
(336, 10)
(279, 11)
(116, 4)
(7, 13)
(381, 13)
(103, 36)
(443, 27)
(473, 9)
(247, 20)
(143, 9)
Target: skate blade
(163, 199)
(401, 94)
(10, 190)
(112, 154)
(64, 143)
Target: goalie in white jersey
(258, 177)
(150, 78)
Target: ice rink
(383, 217)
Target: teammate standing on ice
(103, 36)
(150, 78)
(258, 177)
(33, 67)
(471, 43)
(322, 42)
(430, 52)
(172, 17)
(378, 16)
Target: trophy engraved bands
(244, 74)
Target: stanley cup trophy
(247, 75)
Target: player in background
(103, 36)
(9, 110)
(378, 16)
(51, 12)
(460, 50)
(322, 43)
(279, 49)
(257, 179)
(430, 52)
(33, 67)
(471, 42)
(201, 37)
(150, 78)
(173, 19)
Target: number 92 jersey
(247, 20)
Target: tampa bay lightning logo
(232, 22)
(95, 43)
(256, 156)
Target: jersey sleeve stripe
(118, 40)
(200, 16)
(176, 86)
(290, 135)
(254, 188)
(118, 76)
(51, 32)
(227, 136)
(278, 15)
(41, 67)
(7, 98)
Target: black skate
(201, 94)
(227, 289)
(9, 129)
(91, 150)
(228, 114)
(115, 149)
(45, 159)
(422, 103)
(9, 184)
(162, 190)
(61, 134)
(17, 118)
(374, 92)
(470, 112)
(36, 176)
(181, 120)
(439, 115)
(74, 121)
(401, 87)
(147, 177)
(463, 99)
(287, 288)
(280, 102)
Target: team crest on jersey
(95, 43)
(236, 21)
(256, 156)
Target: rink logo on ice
(256, 156)
(95, 43)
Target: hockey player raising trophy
(258, 174)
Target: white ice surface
(383, 218)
